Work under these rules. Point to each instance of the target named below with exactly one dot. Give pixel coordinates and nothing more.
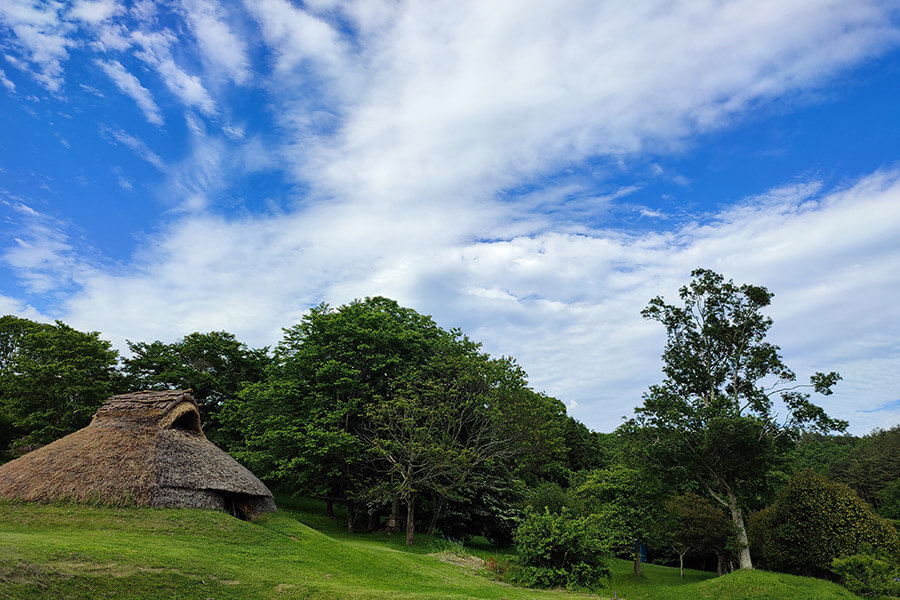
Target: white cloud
(41, 254)
(95, 11)
(297, 36)
(9, 85)
(156, 52)
(220, 46)
(481, 96)
(137, 145)
(41, 35)
(129, 85)
(566, 305)
(12, 306)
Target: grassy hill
(82, 552)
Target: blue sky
(532, 172)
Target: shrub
(812, 522)
(560, 550)
(867, 575)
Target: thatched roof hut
(146, 449)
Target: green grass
(81, 552)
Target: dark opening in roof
(189, 421)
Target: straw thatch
(146, 449)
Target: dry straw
(144, 449)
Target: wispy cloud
(220, 46)
(137, 145)
(41, 253)
(9, 85)
(129, 85)
(156, 52)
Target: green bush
(812, 522)
(560, 550)
(867, 575)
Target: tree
(813, 521)
(872, 466)
(713, 418)
(302, 423)
(695, 525)
(627, 503)
(214, 365)
(52, 378)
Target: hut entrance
(237, 505)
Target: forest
(412, 428)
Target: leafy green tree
(585, 450)
(713, 420)
(214, 365)
(816, 451)
(52, 378)
(694, 525)
(890, 501)
(303, 425)
(437, 428)
(813, 521)
(531, 423)
(872, 466)
(628, 505)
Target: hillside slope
(82, 552)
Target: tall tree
(52, 378)
(713, 417)
(303, 423)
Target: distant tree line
(412, 428)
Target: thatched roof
(144, 448)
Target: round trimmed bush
(814, 521)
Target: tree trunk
(637, 558)
(374, 523)
(329, 509)
(351, 517)
(394, 518)
(410, 522)
(743, 543)
(438, 506)
(720, 564)
(681, 563)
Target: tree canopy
(215, 365)
(713, 419)
(52, 379)
(372, 402)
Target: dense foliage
(868, 575)
(374, 405)
(52, 380)
(872, 468)
(813, 521)
(562, 550)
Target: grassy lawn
(82, 552)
